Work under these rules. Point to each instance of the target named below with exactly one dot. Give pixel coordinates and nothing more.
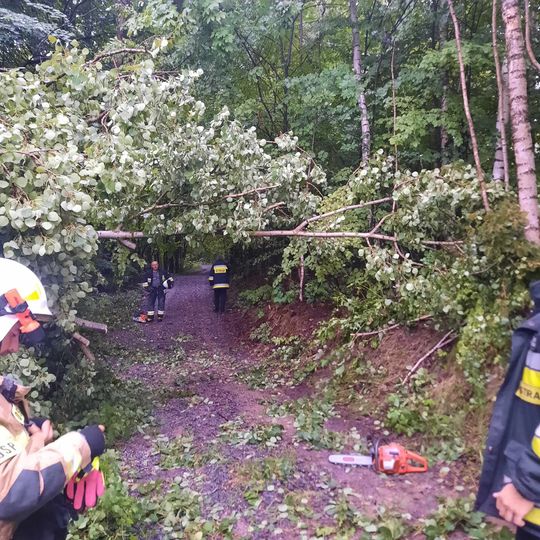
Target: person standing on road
(155, 281)
(219, 280)
(510, 481)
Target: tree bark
(519, 116)
(357, 67)
(501, 169)
(91, 325)
(472, 132)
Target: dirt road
(215, 436)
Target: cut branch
(472, 132)
(115, 235)
(91, 325)
(84, 345)
(81, 339)
(446, 340)
(126, 243)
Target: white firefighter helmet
(14, 275)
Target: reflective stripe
(528, 393)
(160, 312)
(533, 516)
(536, 446)
(151, 313)
(533, 360)
(221, 286)
(211, 278)
(531, 377)
(220, 269)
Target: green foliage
(93, 394)
(235, 432)
(255, 297)
(180, 452)
(458, 515)
(477, 280)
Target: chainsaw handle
(421, 462)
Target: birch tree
(357, 67)
(519, 117)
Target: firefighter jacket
(220, 275)
(165, 280)
(512, 452)
(32, 473)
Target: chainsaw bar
(350, 459)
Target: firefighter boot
(160, 316)
(150, 317)
(141, 318)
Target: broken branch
(446, 340)
(91, 325)
(114, 53)
(391, 327)
(115, 235)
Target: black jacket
(165, 280)
(512, 450)
(220, 275)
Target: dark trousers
(156, 293)
(49, 523)
(220, 297)
(524, 535)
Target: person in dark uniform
(155, 281)
(510, 481)
(219, 280)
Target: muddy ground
(208, 352)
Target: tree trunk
(519, 116)
(357, 67)
(444, 137)
(500, 163)
(472, 132)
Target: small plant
(234, 432)
(180, 452)
(255, 297)
(459, 515)
(261, 334)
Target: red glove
(84, 491)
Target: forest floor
(256, 459)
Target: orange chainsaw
(386, 458)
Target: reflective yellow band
(528, 393)
(220, 269)
(531, 377)
(533, 516)
(221, 286)
(536, 445)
